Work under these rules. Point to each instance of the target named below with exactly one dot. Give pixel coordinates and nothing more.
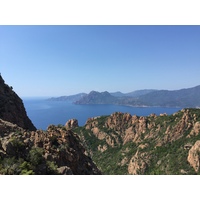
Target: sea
(43, 112)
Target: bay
(43, 113)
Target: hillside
(55, 151)
(125, 144)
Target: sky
(65, 60)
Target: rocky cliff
(125, 144)
(12, 108)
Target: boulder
(64, 170)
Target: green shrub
(51, 167)
(36, 156)
(9, 166)
(18, 147)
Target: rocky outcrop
(72, 123)
(196, 129)
(194, 156)
(138, 163)
(12, 108)
(58, 146)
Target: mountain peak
(95, 97)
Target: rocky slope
(125, 144)
(55, 151)
(12, 108)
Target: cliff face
(144, 145)
(12, 108)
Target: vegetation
(26, 163)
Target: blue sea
(43, 113)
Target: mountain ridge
(187, 97)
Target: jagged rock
(72, 123)
(99, 134)
(12, 108)
(196, 129)
(183, 171)
(102, 148)
(124, 161)
(194, 156)
(138, 163)
(187, 146)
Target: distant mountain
(77, 97)
(95, 97)
(189, 97)
(71, 98)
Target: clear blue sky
(65, 60)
